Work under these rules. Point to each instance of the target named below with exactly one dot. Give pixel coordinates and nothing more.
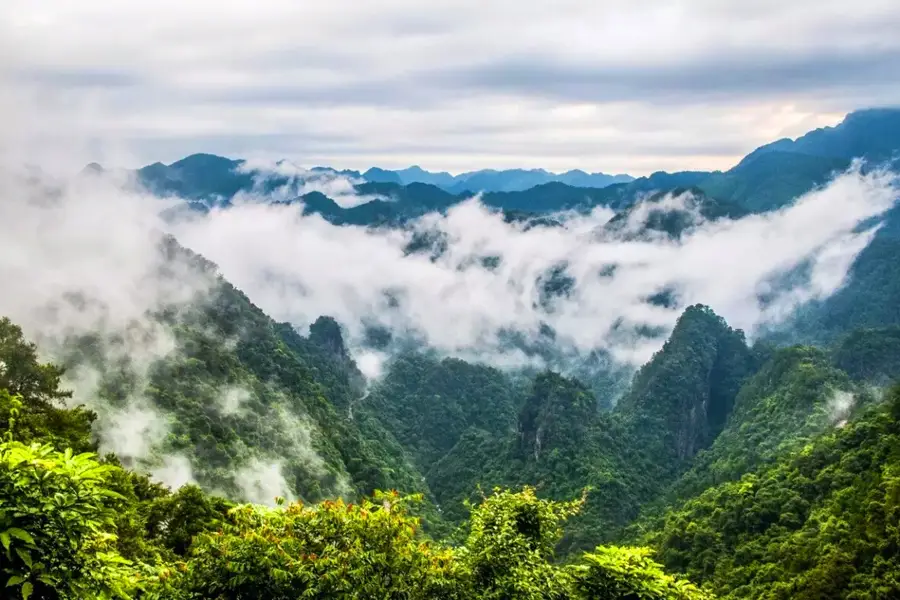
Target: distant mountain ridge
(491, 180)
(768, 178)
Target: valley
(221, 382)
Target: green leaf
(21, 534)
(111, 494)
(14, 580)
(27, 588)
(4, 539)
(25, 556)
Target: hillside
(818, 523)
(251, 407)
(202, 449)
(736, 441)
(773, 175)
(125, 536)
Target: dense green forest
(721, 468)
(755, 472)
(77, 525)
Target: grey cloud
(387, 93)
(465, 83)
(78, 78)
(711, 77)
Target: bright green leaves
(374, 550)
(20, 534)
(509, 551)
(613, 572)
(57, 523)
(330, 550)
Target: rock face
(687, 390)
(326, 333)
(557, 413)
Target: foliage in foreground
(59, 531)
(74, 525)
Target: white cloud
(294, 180)
(371, 363)
(232, 398)
(839, 406)
(261, 482)
(174, 472)
(297, 268)
(457, 84)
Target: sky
(629, 86)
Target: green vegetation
(756, 473)
(821, 522)
(78, 526)
(796, 395)
(239, 392)
(764, 472)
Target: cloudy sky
(616, 86)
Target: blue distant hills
(490, 180)
(767, 178)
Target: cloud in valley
(299, 267)
(83, 256)
(292, 180)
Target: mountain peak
(202, 160)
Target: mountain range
(725, 467)
(768, 178)
(490, 180)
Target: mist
(298, 267)
(285, 180)
(85, 256)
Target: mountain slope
(428, 404)
(867, 299)
(818, 523)
(772, 179)
(564, 441)
(873, 134)
(796, 395)
(244, 405)
(773, 175)
(680, 400)
(78, 526)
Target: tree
(611, 572)
(57, 525)
(36, 387)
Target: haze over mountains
(767, 178)
(519, 375)
(489, 180)
(686, 352)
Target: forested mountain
(868, 300)
(773, 175)
(243, 393)
(748, 469)
(77, 526)
(708, 423)
(819, 522)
